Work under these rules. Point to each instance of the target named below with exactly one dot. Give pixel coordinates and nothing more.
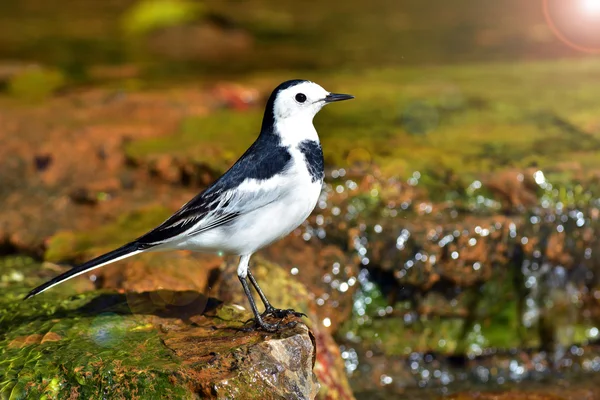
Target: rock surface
(286, 291)
(53, 192)
(162, 344)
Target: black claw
(259, 323)
(270, 311)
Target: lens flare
(590, 8)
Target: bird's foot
(281, 314)
(259, 323)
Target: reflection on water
(462, 293)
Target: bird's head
(297, 100)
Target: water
(463, 295)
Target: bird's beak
(331, 97)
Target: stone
(286, 291)
(156, 344)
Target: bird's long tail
(122, 252)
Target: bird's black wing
(192, 213)
(227, 198)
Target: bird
(266, 194)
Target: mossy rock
(148, 15)
(35, 84)
(103, 344)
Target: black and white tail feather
(265, 195)
(121, 253)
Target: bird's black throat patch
(314, 159)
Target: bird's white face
(304, 100)
(295, 107)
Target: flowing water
(463, 296)
(475, 289)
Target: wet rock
(172, 271)
(48, 189)
(285, 291)
(179, 171)
(175, 270)
(83, 196)
(110, 345)
(539, 394)
(329, 368)
(328, 273)
(79, 246)
(254, 366)
(515, 189)
(193, 274)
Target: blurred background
(454, 248)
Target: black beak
(331, 97)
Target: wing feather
(255, 180)
(209, 211)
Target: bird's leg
(242, 273)
(269, 309)
(257, 317)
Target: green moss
(103, 344)
(35, 84)
(217, 140)
(475, 122)
(52, 346)
(69, 246)
(394, 338)
(148, 15)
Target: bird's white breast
(297, 197)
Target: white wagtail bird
(264, 196)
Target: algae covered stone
(103, 344)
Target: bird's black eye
(300, 97)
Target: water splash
(462, 278)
